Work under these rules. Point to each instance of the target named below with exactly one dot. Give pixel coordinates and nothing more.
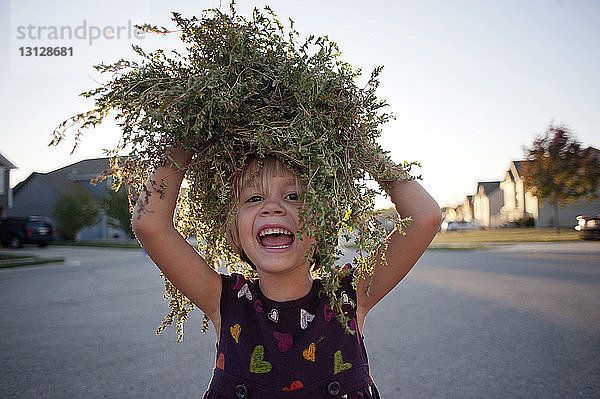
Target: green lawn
(540, 234)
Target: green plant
(116, 206)
(75, 209)
(248, 88)
(526, 221)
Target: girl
(277, 337)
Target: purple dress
(293, 349)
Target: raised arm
(178, 260)
(403, 251)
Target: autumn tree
(560, 170)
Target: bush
(526, 221)
(74, 210)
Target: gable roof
(83, 170)
(488, 186)
(520, 167)
(6, 163)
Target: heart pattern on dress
(257, 363)
(338, 363)
(258, 306)
(346, 299)
(273, 315)
(295, 385)
(245, 290)
(284, 341)
(305, 318)
(309, 353)
(221, 362)
(328, 313)
(235, 332)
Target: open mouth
(275, 238)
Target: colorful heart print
(305, 318)
(257, 363)
(221, 361)
(295, 385)
(273, 315)
(328, 313)
(258, 306)
(346, 299)
(338, 363)
(245, 290)
(309, 353)
(284, 340)
(235, 332)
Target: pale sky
(470, 82)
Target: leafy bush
(74, 210)
(116, 206)
(526, 221)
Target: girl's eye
(292, 197)
(254, 198)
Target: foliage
(116, 206)
(243, 88)
(526, 221)
(560, 170)
(74, 210)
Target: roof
(79, 171)
(6, 163)
(520, 167)
(488, 186)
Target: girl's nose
(272, 206)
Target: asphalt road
(516, 321)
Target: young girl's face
(268, 219)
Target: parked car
(17, 231)
(459, 226)
(588, 227)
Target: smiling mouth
(275, 238)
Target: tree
(560, 170)
(116, 206)
(74, 210)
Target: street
(514, 321)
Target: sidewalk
(559, 247)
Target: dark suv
(16, 231)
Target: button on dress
(292, 349)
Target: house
(37, 194)
(487, 202)
(465, 210)
(5, 191)
(519, 203)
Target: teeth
(278, 247)
(274, 230)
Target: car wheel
(42, 244)
(16, 242)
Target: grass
(99, 244)
(10, 260)
(14, 256)
(540, 234)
